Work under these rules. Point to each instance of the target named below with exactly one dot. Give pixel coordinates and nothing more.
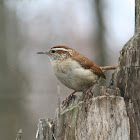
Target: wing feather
(88, 64)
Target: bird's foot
(89, 91)
(66, 101)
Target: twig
(18, 137)
(58, 113)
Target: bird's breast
(73, 75)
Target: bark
(137, 16)
(99, 118)
(127, 77)
(127, 80)
(45, 129)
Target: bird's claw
(68, 99)
(89, 91)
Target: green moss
(70, 108)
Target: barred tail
(108, 67)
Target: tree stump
(98, 118)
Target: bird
(75, 70)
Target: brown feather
(108, 67)
(66, 47)
(88, 64)
(63, 52)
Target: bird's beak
(43, 53)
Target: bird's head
(59, 53)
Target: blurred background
(28, 86)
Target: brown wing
(88, 64)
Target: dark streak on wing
(88, 64)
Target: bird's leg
(89, 90)
(67, 98)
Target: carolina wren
(74, 70)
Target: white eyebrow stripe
(61, 49)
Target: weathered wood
(137, 16)
(45, 129)
(127, 77)
(110, 91)
(99, 118)
(128, 81)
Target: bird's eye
(53, 51)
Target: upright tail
(108, 68)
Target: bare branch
(19, 135)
